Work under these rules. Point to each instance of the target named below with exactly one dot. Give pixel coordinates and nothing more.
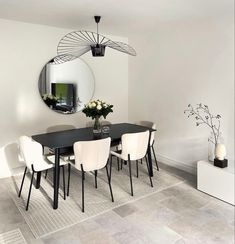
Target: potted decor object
(50, 100)
(220, 153)
(203, 116)
(96, 109)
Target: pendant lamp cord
(97, 34)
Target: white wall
(177, 63)
(24, 49)
(180, 63)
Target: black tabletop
(62, 139)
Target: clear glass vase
(212, 145)
(97, 125)
(211, 148)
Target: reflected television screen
(66, 96)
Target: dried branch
(203, 115)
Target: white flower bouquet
(49, 99)
(97, 108)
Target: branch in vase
(208, 119)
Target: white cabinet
(217, 182)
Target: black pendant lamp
(77, 43)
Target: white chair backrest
(31, 151)
(56, 128)
(150, 125)
(93, 155)
(135, 144)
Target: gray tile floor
(179, 214)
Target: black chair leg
(118, 166)
(83, 178)
(22, 182)
(109, 181)
(129, 162)
(30, 188)
(110, 167)
(151, 183)
(96, 172)
(64, 183)
(155, 158)
(69, 170)
(46, 173)
(137, 169)
(121, 163)
(146, 159)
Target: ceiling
(118, 16)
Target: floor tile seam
(103, 212)
(95, 214)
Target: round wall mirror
(66, 87)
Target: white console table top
(229, 169)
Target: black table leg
(150, 161)
(38, 180)
(56, 178)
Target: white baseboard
(161, 158)
(177, 164)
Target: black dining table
(57, 141)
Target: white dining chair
(35, 161)
(32, 153)
(65, 153)
(152, 137)
(91, 156)
(134, 148)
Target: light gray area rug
(12, 237)
(43, 219)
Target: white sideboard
(215, 181)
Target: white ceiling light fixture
(77, 43)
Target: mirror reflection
(66, 87)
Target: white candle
(220, 151)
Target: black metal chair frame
(151, 147)
(31, 183)
(96, 186)
(154, 155)
(61, 166)
(68, 153)
(130, 173)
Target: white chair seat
(51, 159)
(65, 157)
(35, 161)
(72, 157)
(117, 155)
(72, 162)
(42, 165)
